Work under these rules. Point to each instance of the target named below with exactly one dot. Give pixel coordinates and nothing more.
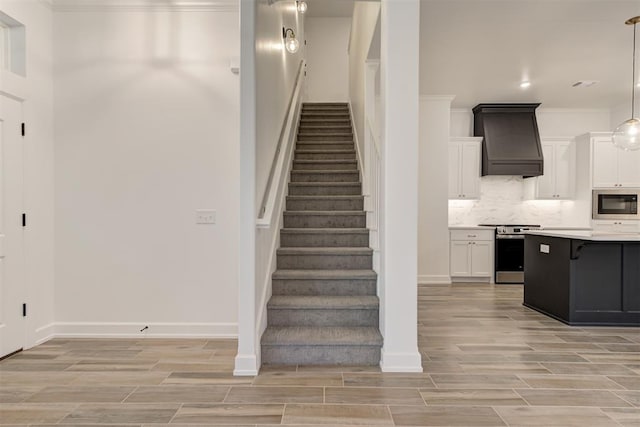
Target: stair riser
(316, 287)
(322, 317)
(325, 262)
(324, 122)
(293, 220)
(325, 146)
(323, 190)
(325, 137)
(321, 355)
(297, 176)
(324, 116)
(349, 165)
(301, 155)
(301, 240)
(324, 129)
(355, 204)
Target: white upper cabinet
(613, 167)
(558, 180)
(464, 168)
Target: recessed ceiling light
(585, 83)
(525, 84)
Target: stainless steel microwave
(616, 204)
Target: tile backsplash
(501, 202)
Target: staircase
(324, 308)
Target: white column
(400, 25)
(433, 224)
(246, 362)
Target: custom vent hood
(511, 144)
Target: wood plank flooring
(488, 361)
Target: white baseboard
(427, 279)
(246, 365)
(401, 362)
(44, 334)
(133, 330)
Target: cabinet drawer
(472, 234)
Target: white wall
(327, 59)
(433, 233)
(37, 90)
(363, 27)
(621, 113)
(146, 132)
(275, 78)
(502, 197)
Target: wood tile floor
(488, 361)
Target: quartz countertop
(592, 235)
(470, 227)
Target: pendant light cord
(633, 76)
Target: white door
(460, 263)
(481, 259)
(470, 173)
(547, 181)
(12, 289)
(629, 169)
(564, 170)
(605, 164)
(454, 171)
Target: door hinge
(24, 219)
(24, 310)
(23, 129)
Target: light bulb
(292, 44)
(627, 135)
(302, 6)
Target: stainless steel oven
(616, 204)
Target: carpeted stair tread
(324, 336)
(335, 213)
(323, 302)
(323, 274)
(325, 230)
(325, 251)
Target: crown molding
(144, 5)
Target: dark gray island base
(594, 280)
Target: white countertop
(470, 227)
(588, 235)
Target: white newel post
(246, 362)
(400, 35)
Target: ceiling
(330, 8)
(480, 50)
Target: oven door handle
(510, 236)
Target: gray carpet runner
(324, 308)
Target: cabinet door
(605, 163)
(563, 169)
(481, 259)
(546, 185)
(629, 168)
(460, 258)
(454, 171)
(470, 171)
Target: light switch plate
(544, 248)
(205, 216)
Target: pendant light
(627, 135)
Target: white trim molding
(401, 362)
(145, 5)
(137, 330)
(245, 365)
(427, 279)
(44, 334)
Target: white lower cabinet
(471, 255)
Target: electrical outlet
(205, 216)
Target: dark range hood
(511, 144)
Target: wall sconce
(302, 6)
(290, 42)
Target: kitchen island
(583, 277)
